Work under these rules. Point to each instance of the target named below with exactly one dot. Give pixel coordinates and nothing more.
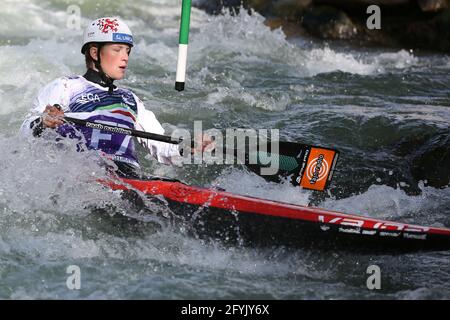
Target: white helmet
(107, 29)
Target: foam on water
(245, 39)
(388, 203)
(45, 199)
(399, 60)
(437, 115)
(45, 61)
(250, 184)
(47, 176)
(27, 18)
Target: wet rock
(363, 3)
(431, 161)
(416, 24)
(290, 28)
(442, 22)
(432, 5)
(432, 33)
(290, 9)
(328, 23)
(261, 6)
(217, 6)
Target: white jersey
(83, 99)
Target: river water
(377, 106)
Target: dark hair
(87, 54)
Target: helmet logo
(106, 25)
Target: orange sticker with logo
(319, 165)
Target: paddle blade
(317, 168)
(308, 166)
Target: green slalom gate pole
(183, 45)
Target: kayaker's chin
(116, 73)
(120, 74)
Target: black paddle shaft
(127, 131)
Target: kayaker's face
(114, 60)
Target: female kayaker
(107, 44)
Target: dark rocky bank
(410, 24)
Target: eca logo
(88, 97)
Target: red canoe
(219, 215)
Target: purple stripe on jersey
(115, 144)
